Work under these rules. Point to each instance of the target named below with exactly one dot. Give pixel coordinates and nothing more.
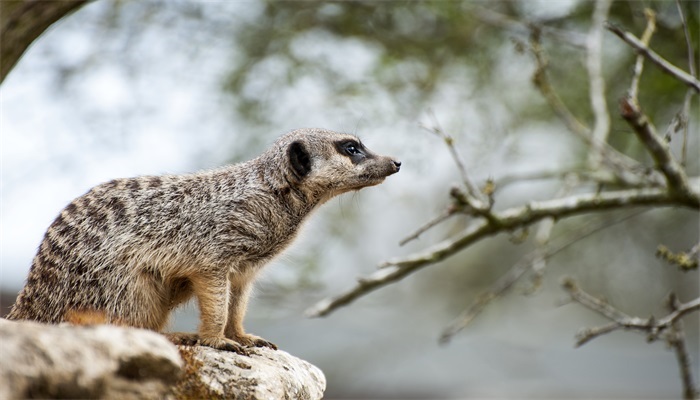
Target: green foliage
(423, 43)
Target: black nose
(397, 164)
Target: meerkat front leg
(238, 303)
(213, 294)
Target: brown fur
(135, 249)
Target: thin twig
(639, 65)
(502, 21)
(654, 57)
(684, 121)
(509, 220)
(683, 117)
(688, 42)
(474, 196)
(600, 176)
(544, 233)
(587, 334)
(594, 66)
(450, 211)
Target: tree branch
(21, 22)
(659, 150)
(619, 164)
(651, 325)
(504, 221)
(639, 65)
(676, 339)
(502, 21)
(670, 326)
(655, 58)
(526, 263)
(683, 116)
(594, 66)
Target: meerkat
(135, 249)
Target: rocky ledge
(110, 362)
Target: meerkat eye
(352, 150)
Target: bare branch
(670, 326)
(585, 335)
(504, 221)
(652, 326)
(645, 130)
(655, 58)
(526, 263)
(676, 339)
(659, 150)
(594, 65)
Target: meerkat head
(326, 163)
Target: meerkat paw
(254, 341)
(183, 338)
(222, 343)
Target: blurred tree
(22, 21)
(423, 43)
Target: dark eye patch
(354, 149)
(349, 147)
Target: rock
(265, 374)
(102, 361)
(112, 362)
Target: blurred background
(126, 88)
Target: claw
(249, 340)
(183, 339)
(260, 342)
(221, 343)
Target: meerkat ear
(299, 159)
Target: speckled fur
(134, 249)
